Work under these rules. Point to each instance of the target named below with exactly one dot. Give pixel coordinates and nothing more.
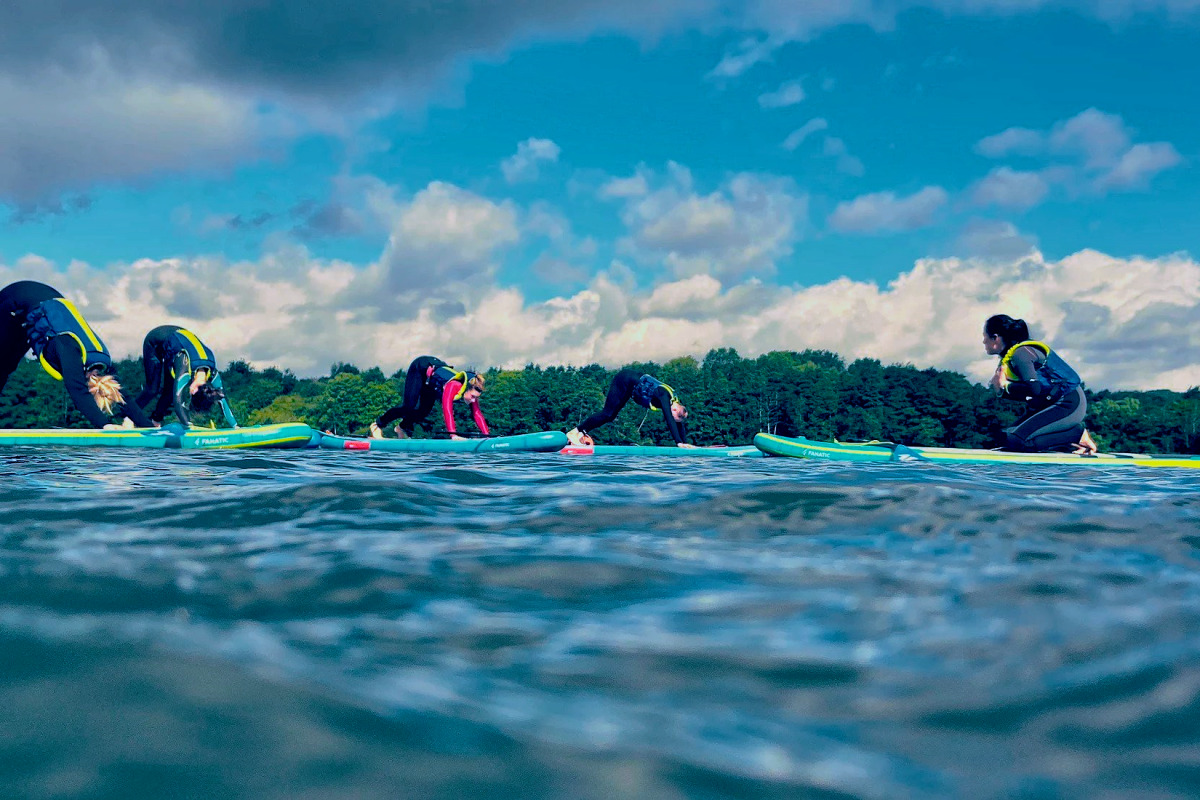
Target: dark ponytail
(1011, 331)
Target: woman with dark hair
(181, 371)
(34, 316)
(645, 390)
(429, 380)
(1029, 370)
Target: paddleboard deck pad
(542, 442)
(173, 436)
(887, 451)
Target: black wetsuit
(161, 346)
(63, 353)
(620, 393)
(419, 396)
(1054, 419)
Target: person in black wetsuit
(180, 371)
(645, 390)
(1029, 370)
(429, 380)
(34, 316)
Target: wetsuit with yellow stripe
(171, 357)
(35, 317)
(1057, 404)
(645, 390)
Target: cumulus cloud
(797, 137)
(884, 212)
(1094, 150)
(523, 165)
(744, 227)
(1008, 188)
(1123, 323)
(788, 94)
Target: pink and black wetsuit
(429, 380)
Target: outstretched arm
(480, 422)
(226, 411)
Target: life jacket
(59, 317)
(645, 389)
(1055, 374)
(184, 341)
(446, 373)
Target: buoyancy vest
(184, 341)
(446, 373)
(59, 317)
(646, 388)
(1054, 374)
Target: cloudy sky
(507, 181)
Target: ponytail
(106, 391)
(1011, 331)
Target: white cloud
(1098, 138)
(523, 165)
(836, 149)
(1098, 148)
(1013, 141)
(1138, 165)
(797, 137)
(788, 94)
(1123, 323)
(446, 241)
(1007, 188)
(633, 186)
(744, 227)
(741, 57)
(885, 212)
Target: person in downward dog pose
(430, 380)
(645, 390)
(35, 317)
(181, 371)
(1029, 370)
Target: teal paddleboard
(744, 451)
(887, 451)
(543, 442)
(290, 434)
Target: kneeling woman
(33, 316)
(180, 371)
(429, 380)
(645, 390)
(1029, 370)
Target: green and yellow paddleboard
(887, 451)
(289, 434)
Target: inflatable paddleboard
(744, 451)
(543, 442)
(174, 436)
(887, 451)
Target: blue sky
(640, 152)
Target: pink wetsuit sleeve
(448, 394)
(480, 422)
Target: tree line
(812, 393)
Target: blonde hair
(106, 391)
(477, 383)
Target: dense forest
(810, 393)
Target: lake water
(358, 625)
